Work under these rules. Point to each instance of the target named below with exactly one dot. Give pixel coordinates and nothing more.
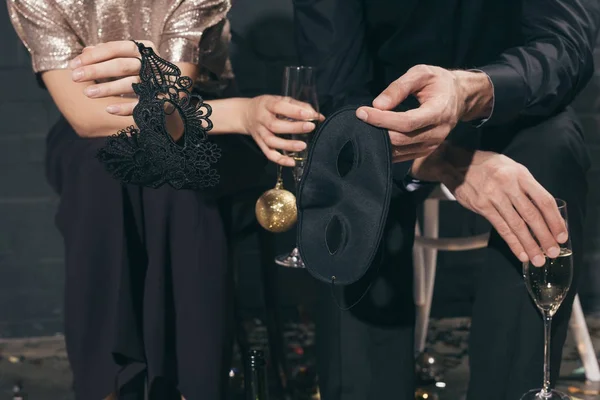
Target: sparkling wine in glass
(299, 84)
(548, 286)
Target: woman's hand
(115, 61)
(266, 117)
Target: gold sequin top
(194, 31)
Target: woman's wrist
(230, 116)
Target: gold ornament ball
(276, 210)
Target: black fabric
(242, 165)
(367, 353)
(539, 53)
(343, 198)
(145, 280)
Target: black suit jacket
(538, 53)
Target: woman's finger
(275, 142)
(273, 155)
(115, 88)
(293, 111)
(281, 126)
(108, 51)
(506, 209)
(118, 67)
(122, 109)
(307, 107)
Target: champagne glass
(299, 84)
(548, 285)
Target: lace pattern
(147, 155)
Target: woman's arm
(96, 110)
(262, 117)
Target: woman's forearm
(228, 115)
(89, 116)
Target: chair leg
(419, 291)
(584, 342)
(431, 230)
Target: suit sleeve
(330, 35)
(544, 75)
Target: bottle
(18, 392)
(256, 376)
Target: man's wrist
(429, 169)
(447, 164)
(478, 95)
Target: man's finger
(507, 234)
(400, 89)
(547, 205)
(411, 156)
(412, 151)
(533, 217)
(408, 121)
(418, 147)
(506, 209)
(421, 138)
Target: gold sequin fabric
(195, 31)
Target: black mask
(344, 197)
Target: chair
(425, 252)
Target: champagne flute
(548, 285)
(299, 84)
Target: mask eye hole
(334, 235)
(345, 160)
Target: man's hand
(505, 193)
(445, 97)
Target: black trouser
(367, 353)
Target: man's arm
(537, 79)
(554, 64)
(330, 35)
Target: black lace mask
(148, 155)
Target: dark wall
(31, 255)
(31, 261)
(588, 108)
